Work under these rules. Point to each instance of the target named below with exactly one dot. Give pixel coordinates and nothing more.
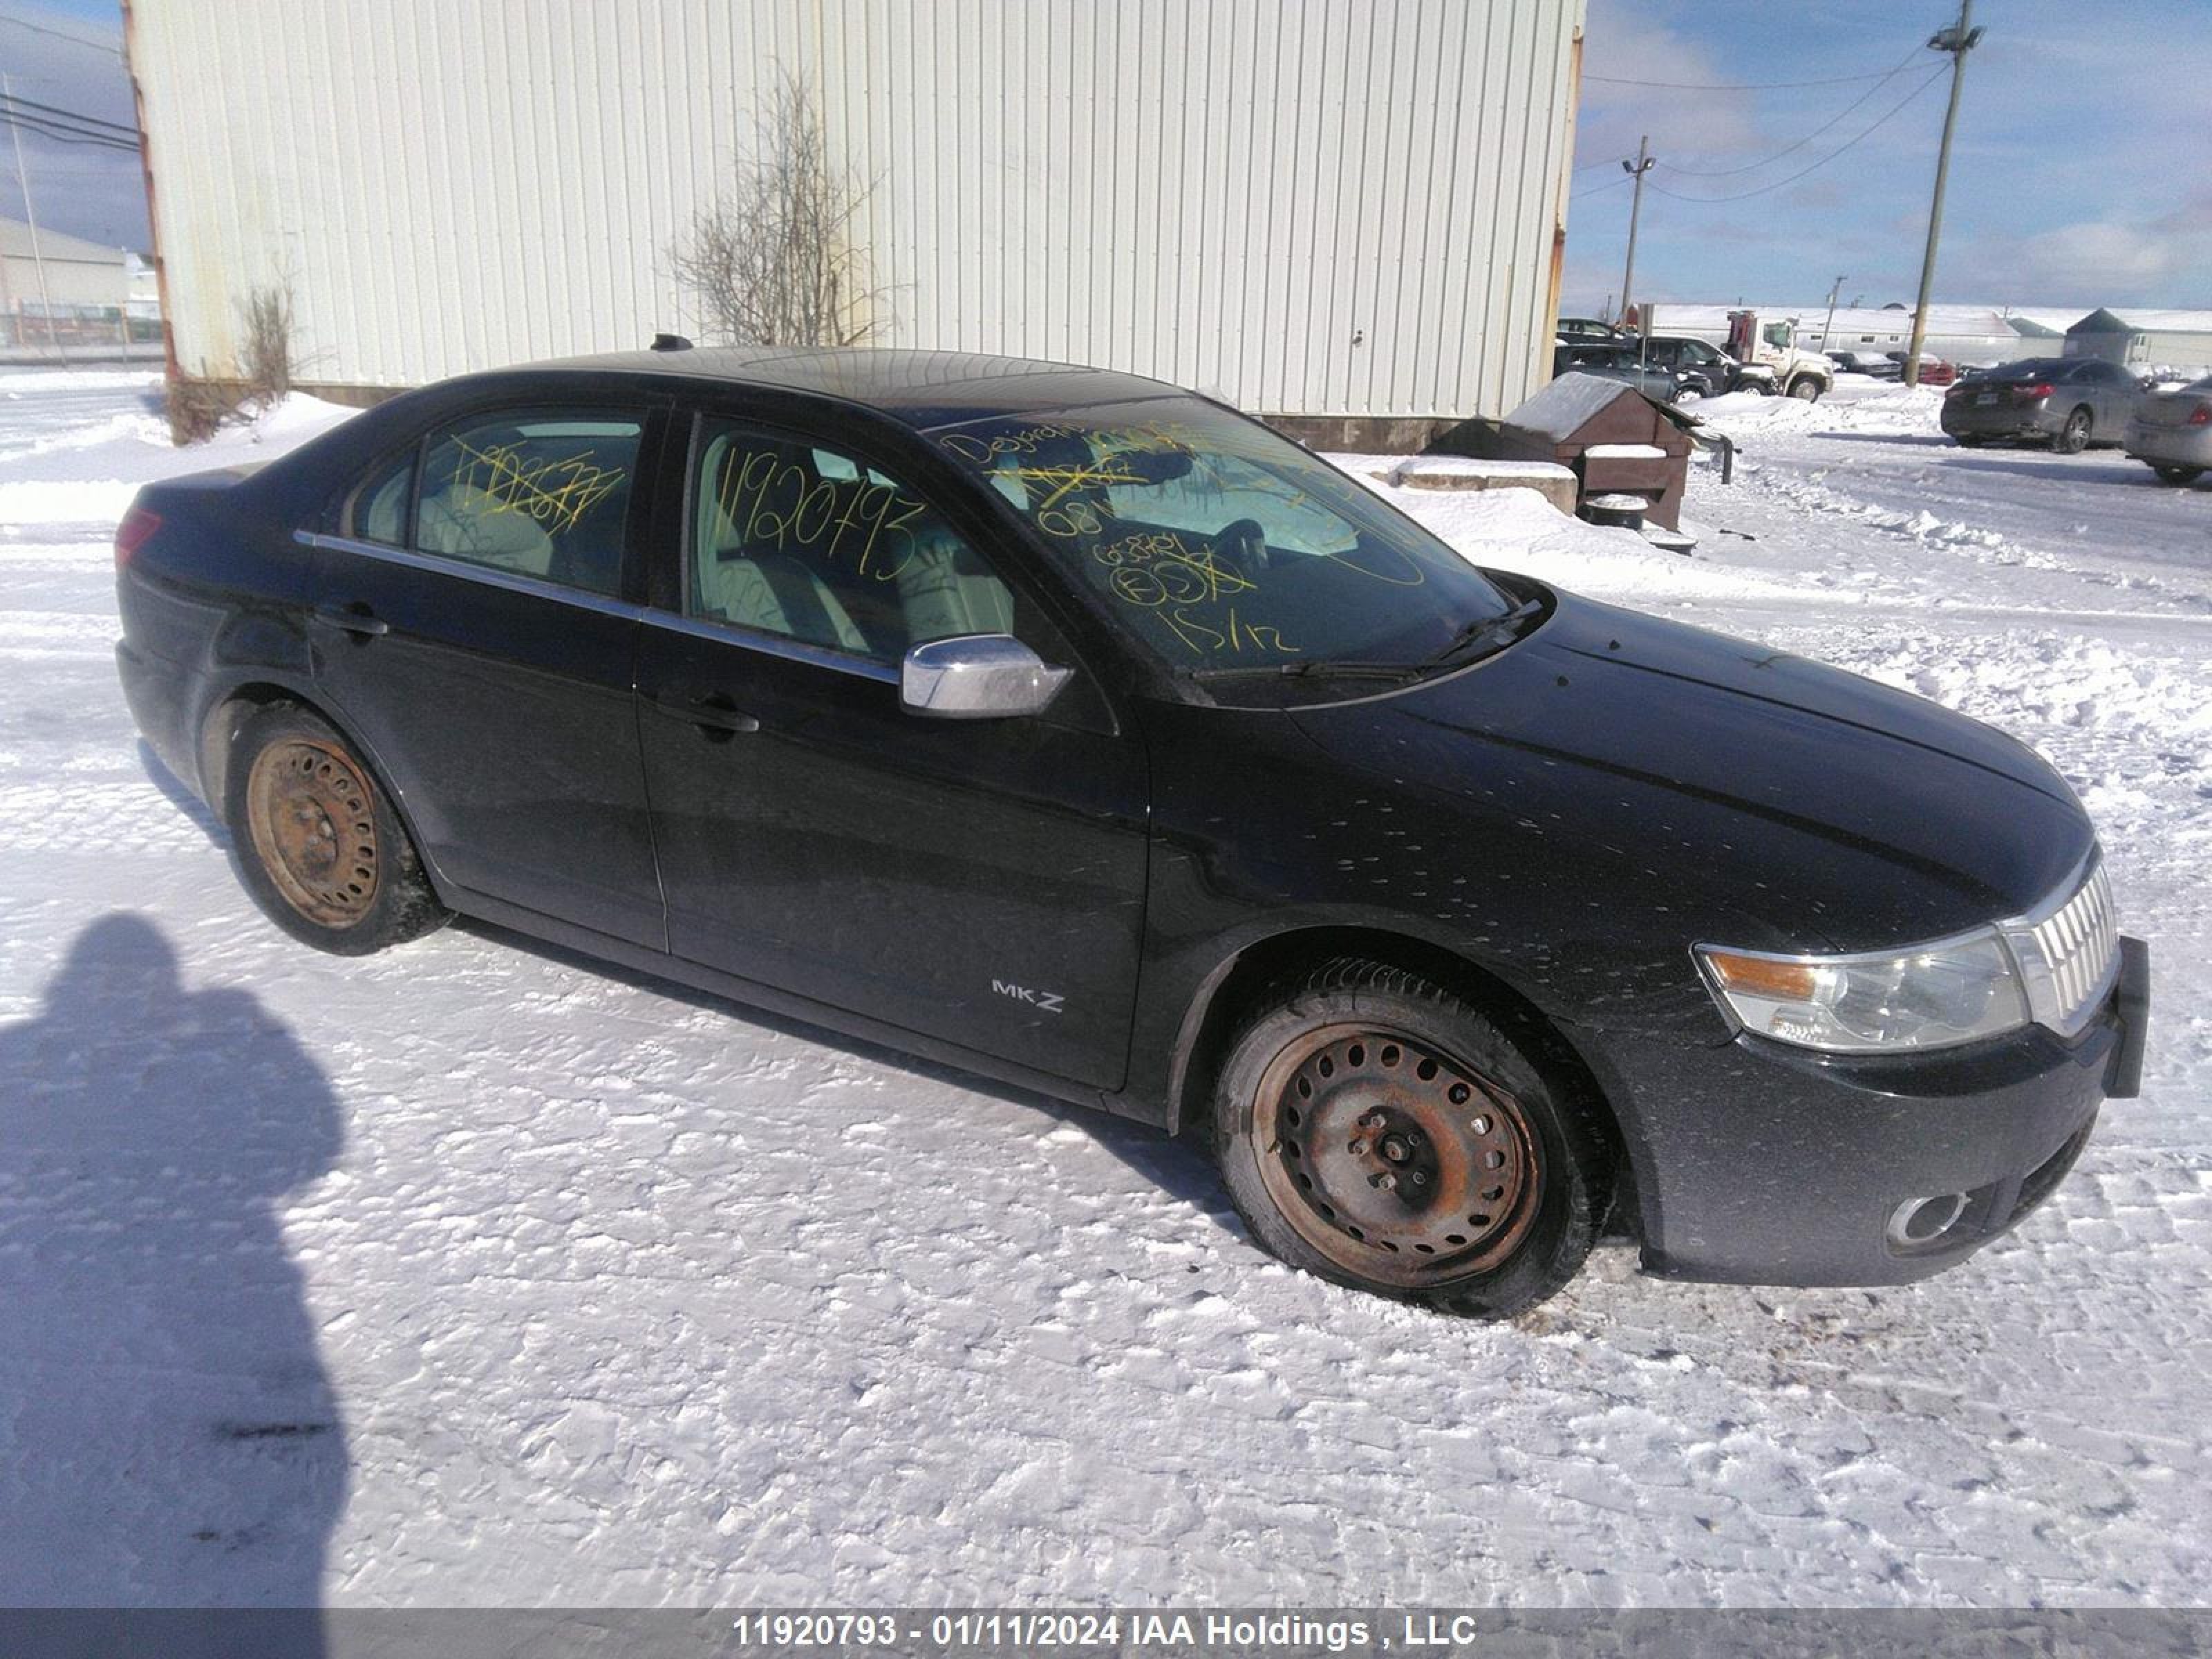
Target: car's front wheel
(1381, 1132)
(1805, 388)
(2177, 475)
(318, 845)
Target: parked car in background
(2068, 403)
(1076, 729)
(2172, 431)
(1857, 362)
(1697, 366)
(1617, 362)
(1580, 330)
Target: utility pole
(31, 220)
(1637, 169)
(1959, 39)
(1828, 328)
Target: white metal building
(48, 275)
(1315, 207)
(1979, 334)
(2178, 340)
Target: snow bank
(31, 382)
(57, 469)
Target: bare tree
(774, 261)
(267, 366)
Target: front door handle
(353, 618)
(711, 713)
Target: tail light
(2201, 415)
(137, 529)
(2028, 394)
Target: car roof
(920, 389)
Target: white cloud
(2163, 260)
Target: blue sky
(86, 192)
(2081, 174)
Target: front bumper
(1761, 1163)
(2171, 446)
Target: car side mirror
(978, 677)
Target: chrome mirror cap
(978, 677)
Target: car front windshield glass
(1221, 548)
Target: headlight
(1933, 996)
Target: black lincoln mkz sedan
(1079, 730)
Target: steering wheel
(1244, 545)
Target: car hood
(1872, 815)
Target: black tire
(2176, 475)
(1517, 1146)
(1805, 388)
(1964, 441)
(2073, 437)
(317, 843)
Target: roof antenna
(671, 342)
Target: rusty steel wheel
(1394, 1159)
(312, 816)
(1383, 1131)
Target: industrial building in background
(57, 292)
(1350, 212)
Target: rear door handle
(353, 618)
(711, 713)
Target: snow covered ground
(475, 1273)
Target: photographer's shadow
(168, 1434)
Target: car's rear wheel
(319, 847)
(2073, 437)
(1381, 1132)
(2177, 475)
(1968, 440)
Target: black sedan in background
(1619, 362)
(1079, 730)
(2067, 403)
(1697, 365)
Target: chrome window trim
(773, 645)
(767, 645)
(489, 575)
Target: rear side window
(540, 494)
(377, 510)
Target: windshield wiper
(1317, 668)
(1500, 630)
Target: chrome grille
(2068, 953)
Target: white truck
(1772, 360)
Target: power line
(1903, 63)
(116, 127)
(1863, 132)
(61, 135)
(61, 35)
(1736, 86)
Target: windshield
(1218, 545)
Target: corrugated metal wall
(1312, 206)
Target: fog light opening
(1920, 1222)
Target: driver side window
(796, 540)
